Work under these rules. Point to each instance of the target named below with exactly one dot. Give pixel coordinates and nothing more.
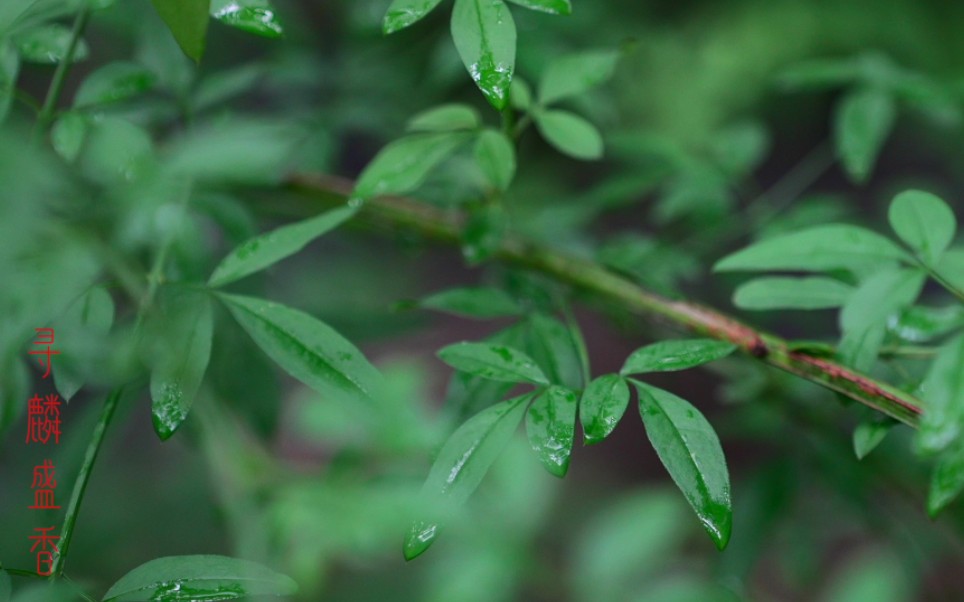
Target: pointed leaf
(253, 16)
(495, 156)
(485, 37)
(575, 74)
(473, 302)
(554, 347)
(602, 405)
(551, 425)
(570, 134)
(402, 13)
(863, 122)
(869, 434)
(206, 577)
(690, 450)
(669, 356)
(114, 82)
(445, 118)
(403, 165)
(263, 251)
(188, 22)
(306, 348)
(943, 394)
(462, 463)
(91, 315)
(553, 7)
(923, 221)
(791, 293)
(947, 480)
(49, 44)
(495, 362)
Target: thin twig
(60, 75)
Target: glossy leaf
(570, 134)
(253, 16)
(402, 13)
(463, 462)
(182, 330)
(114, 82)
(923, 221)
(495, 156)
(669, 356)
(869, 434)
(263, 251)
(495, 362)
(188, 22)
(91, 315)
(485, 37)
(49, 44)
(575, 74)
(863, 122)
(947, 480)
(943, 395)
(555, 348)
(791, 293)
(551, 425)
(68, 134)
(403, 165)
(602, 405)
(307, 348)
(820, 248)
(445, 118)
(553, 7)
(690, 450)
(9, 69)
(473, 302)
(198, 577)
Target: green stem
(83, 477)
(21, 572)
(943, 282)
(60, 75)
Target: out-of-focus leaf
(92, 315)
(49, 44)
(691, 452)
(863, 121)
(224, 85)
(473, 302)
(874, 577)
(520, 94)
(947, 480)
(570, 134)
(188, 22)
(553, 7)
(485, 37)
(818, 74)
(924, 222)
(483, 233)
(68, 133)
(791, 293)
(5, 587)
(551, 425)
(263, 251)
(402, 13)
(445, 118)
(740, 147)
(869, 434)
(114, 82)
(920, 324)
(403, 165)
(495, 156)
(199, 577)
(9, 68)
(668, 356)
(462, 463)
(555, 348)
(115, 150)
(14, 390)
(951, 268)
(495, 362)
(574, 74)
(602, 405)
(943, 394)
(253, 16)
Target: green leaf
(943, 394)
(924, 222)
(92, 315)
(9, 69)
(690, 450)
(791, 293)
(575, 74)
(551, 425)
(114, 82)
(921, 324)
(462, 463)
(520, 94)
(602, 405)
(5, 588)
(869, 434)
(181, 333)
(473, 302)
(199, 577)
(253, 16)
(403, 165)
(306, 348)
(495, 156)
(188, 22)
(263, 251)
(863, 122)
(485, 37)
(445, 118)
(669, 356)
(495, 362)
(553, 7)
(555, 348)
(402, 13)
(570, 134)
(816, 249)
(68, 134)
(947, 480)
(872, 576)
(49, 44)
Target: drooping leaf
(263, 251)
(114, 82)
(668, 356)
(924, 222)
(947, 480)
(181, 330)
(485, 37)
(445, 118)
(49, 44)
(91, 315)
(402, 13)
(495, 362)
(68, 133)
(553, 7)
(462, 463)
(602, 405)
(188, 22)
(306, 348)
(253, 16)
(820, 248)
(473, 302)
(495, 156)
(198, 577)
(943, 395)
(690, 450)
(403, 165)
(815, 292)
(551, 426)
(869, 434)
(863, 122)
(570, 134)
(555, 348)
(9, 69)
(574, 74)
